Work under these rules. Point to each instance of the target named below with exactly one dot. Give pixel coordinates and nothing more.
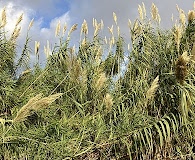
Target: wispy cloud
(37, 32)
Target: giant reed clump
(102, 99)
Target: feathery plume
(144, 10)
(152, 90)
(30, 24)
(135, 26)
(185, 56)
(178, 9)
(73, 49)
(84, 27)
(98, 55)
(101, 81)
(181, 67)
(128, 47)
(15, 34)
(129, 23)
(34, 104)
(97, 28)
(105, 39)
(64, 29)
(194, 5)
(3, 18)
(25, 72)
(118, 31)
(178, 35)
(57, 29)
(154, 13)
(19, 19)
(182, 17)
(47, 49)
(113, 40)
(141, 16)
(94, 22)
(172, 18)
(37, 46)
(111, 30)
(72, 29)
(108, 102)
(102, 24)
(191, 16)
(83, 79)
(115, 18)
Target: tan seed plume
(152, 90)
(115, 18)
(108, 100)
(101, 81)
(72, 29)
(64, 29)
(182, 17)
(128, 47)
(97, 28)
(178, 9)
(102, 24)
(186, 57)
(105, 39)
(172, 18)
(15, 34)
(129, 23)
(19, 20)
(141, 16)
(84, 27)
(98, 55)
(34, 104)
(178, 35)
(111, 30)
(191, 16)
(26, 72)
(57, 29)
(144, 10)
(154, 13)
(94, 22)
(181, 68)
(47, 49)
(37, 46)
(118, 31)
(194, 5)
(113, 40)
(30, 24)
(3, 17)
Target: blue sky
(58, 8)
(47, 13)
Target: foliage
(93, 108)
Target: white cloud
(45, 8)
(102, 9)
(37, 33)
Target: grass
(84, 105)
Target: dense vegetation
(84, 105)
